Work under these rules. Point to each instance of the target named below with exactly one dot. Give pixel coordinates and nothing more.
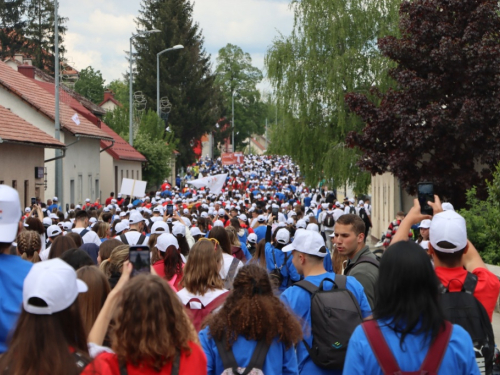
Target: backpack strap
(176, 363)
(229, 361)
(307, 285)
(340, 281)
(141, 239)
(80, 361)
(380, 349)
(123, 368)
(362, 259)
(124, 238)
(437, 350)
(232, 269)
(470, 283)
(227, 356)
(84, 232)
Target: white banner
(214, 183)
(134, 188)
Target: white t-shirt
(208, 297)
(337, 213)
(90, 236)
(44, 254)
(133, 237)
(226, 264)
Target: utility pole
(232, 96)
(59, 171)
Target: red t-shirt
(159, 267)
(487, 288)
(107, 364)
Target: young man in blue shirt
(308, 250)
(13, 269)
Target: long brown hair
(152, 245)
(29, 244)
(107, 247)
(253, 311)
(149, 305)
(60, 245)
(201, 272)
(220, 234)
(91, 302)
(40, 344)
(115, 261)
(233, 236)
(259, 257)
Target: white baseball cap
(313, 226)
(261, 218)
(301, 224)
(179, 228)
(47, 221)
(252, 238)
(243, 217)
(120, 227)
(10, 213)
(165, 241)
(425, 224)
(160, 227)
(53, 231)
(135, 218)
(447, 206)
(283, 236)
(54, 281)
(221, 212)
(218, 223)
(54, 216)
(308, 242)
(67, 225)
(451, 227)
(195, 231)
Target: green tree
(40, 32)
(331, 51)
(118, 120)
(120, 89)
(186, 77)
(12, 27)
(91, 85)
(236, 76)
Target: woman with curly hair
(150, 334)
(29, 244)
(252, 319)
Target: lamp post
(179, 46)
(232, 97)
(131, 108)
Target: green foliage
(118, 120)
(483, 220)
(330, 51)
(159, 153)
(185, 75)
(40, 32)
(120, 89)
(91, 85)
(11, 27)
(236, 76)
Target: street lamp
(232, 97)
(131, 108)
(179, 46)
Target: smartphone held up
(425, 194)
(140, 257)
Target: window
(127, 173)
(132, 174)
(90, 193)
(27, 198)
(14, 184)
(97, 192)
(80, 188)
(72, 191)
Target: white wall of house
(112, 169)
(82, 159)
(109, 106)
(387, 201)
(17, 170)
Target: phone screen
(140, 257)
(275, 212)
(170, 209)
(425, 194)
(33, 201)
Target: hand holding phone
(425, 194)
(140, 257)
(170, 209)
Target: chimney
(108, 94)
(27, 70)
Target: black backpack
(140, 241)
(329, 221)
(335, 313)
(363, 215)
(256, 361)
(464, 309)
(275, 275)
(352, 210)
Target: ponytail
(172, 262)
(105, 266)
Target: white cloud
(99, 31)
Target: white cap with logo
(308, 242)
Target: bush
(483, 220)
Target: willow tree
(331, 51)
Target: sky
(99, 30)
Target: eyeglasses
(213, 240)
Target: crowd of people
(266, 275)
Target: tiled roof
(28, 90)
(112, 100)
(14, 129)
(121, 150)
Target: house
(109, 104)
(119, 160)
(23, 95)
(22, 148)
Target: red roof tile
(13, 128)
(121, 150)
(112, 100)
(44, 101)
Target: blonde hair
(201, 272)
(233, 236)
(29, 244)
(102, 229)
(115, 261)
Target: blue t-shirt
(244, 248)
(299, 301)
(13, 271)
(327, 262)
(459, 358)
(279, 360)
(260, 232)
(288, 271)
(307, 201)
